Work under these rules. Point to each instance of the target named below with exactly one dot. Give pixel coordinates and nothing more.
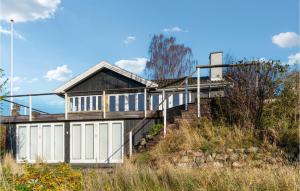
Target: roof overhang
(97, 68)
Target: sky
(55, 40)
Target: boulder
(209, 158)
(217, 164)
(237, 165)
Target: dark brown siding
(105, 79)
(67, 142)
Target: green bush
(155, 129)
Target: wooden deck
(79, 116)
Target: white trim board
(98, 67)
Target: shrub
(155, 129)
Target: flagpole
(11, 62)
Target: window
(131, 102)
(76, 104)
(82, 104)
(94, 102)
(141, 103)
(175, 99)
(121, 102)
(112, 103)
(71, 104)
(155, 101)
(99, 103)
(88, 103)
(43, 141)
(103, 142)
(116, 142)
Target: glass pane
(131, 102)
(76, 142)
(116, 141)
(175, 99)
(94, 103)
(71, 104)
(103, 142)
(141, 102)
(46, 141)
(33, 142)
(99, 103)
(82, 104)
(58, 142)
(89, 141)
(112, 103)
(155, 101)
(121, 103)
(88, 103)
(76, 104)
(22, 142)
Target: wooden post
(130, 144)
(198, 92)
(66, 106)
(165, 113)
(104, 105)
(30, 108)
(145, 102)
(186, 94)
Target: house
(107, 111)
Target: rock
(237, 165)
(213, 155)
(252, 150)
(234, 157)
(143, 141)
(198, 154)
(185, 159)
(199, 160)
(209, 158)
(217, 164)
(229, 150)
(221, 157)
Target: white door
(103, 142)
(116, 142)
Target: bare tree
(253, 86)
(168, 59)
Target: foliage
(155, 129)
(253, 84)
(169, 59)
(43, 177)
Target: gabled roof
(97, 68)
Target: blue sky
(62, 38)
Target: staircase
(175, 116)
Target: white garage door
(97, 142)
(43, 141)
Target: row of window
(40, 141)
(123, 102)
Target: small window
(82, 104)
(71, 104)
(131, 102)
(112, 103)
(76, 104)
(175, 99)
(94, 103)
(99, 103)
(121, 103)
(88, 99)
(155, 102)
(141, 102)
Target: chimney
(215, 58)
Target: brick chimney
(215, 58)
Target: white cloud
(286, 40)
(136, 65)
(129, 39)
(294, 59)
(19, 79)
(16, 89)
(61, 73)
(174, 29)
(7, 32)
(27, 10)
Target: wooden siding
(104, 79)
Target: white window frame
(96, 142)
(40, 145)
